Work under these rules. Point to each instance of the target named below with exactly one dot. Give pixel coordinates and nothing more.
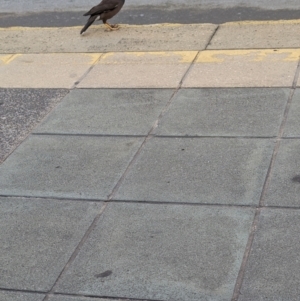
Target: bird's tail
(88, 24)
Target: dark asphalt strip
(20, 111)
(149, 15)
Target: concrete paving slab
(244, 68)
(257, 34)
(161, 252)
(206, 170)
(225, 112)
(159, 37)
(37, 239)
(139, 70)
(108, 112)
(21, 110)
(285, 181)
(56, 70)
(292, 128)
(14, 296)
(69, 167)
(273, 269)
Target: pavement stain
(104, 274)
(296, 179)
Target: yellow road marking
(180, 56)
(278, 22)
(94, 57)
(6, 59)
(272, 22)
(173, 57)
(255, 55)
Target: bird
(105, 10)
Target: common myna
(105, 10)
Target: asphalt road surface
(45, 13)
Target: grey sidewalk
(176, 180)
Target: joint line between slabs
(155, 136)
(102, 297)
(12, 290)
(195, 59)
(150, 133)
(149, 202)
(55, 198)
(240, 278)
(186, 74)
(279, 137)
(76, 251)
(86, 73)
(266, 185)
(88, 135)
(212, 36)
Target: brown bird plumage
(105, 10)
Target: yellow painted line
(94, 57)
(254, 55)
(271, 22)
(158, 57)
(123, 57)
(278, 22)
(6, 59)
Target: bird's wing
(105, 5)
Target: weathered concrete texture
(12, 296)
(244, 68)
(251, 35)
(20, 111)
(159, 37)
(139, 70)
(284, 189)
(225, 112)
(60, 166)
(206, 170)
(37, 239)
(105, 111)
(273, 269)
(292, 128)
(162, 253)
(56, 70)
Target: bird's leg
(114, 26)
(111, 27)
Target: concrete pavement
(152, 163)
